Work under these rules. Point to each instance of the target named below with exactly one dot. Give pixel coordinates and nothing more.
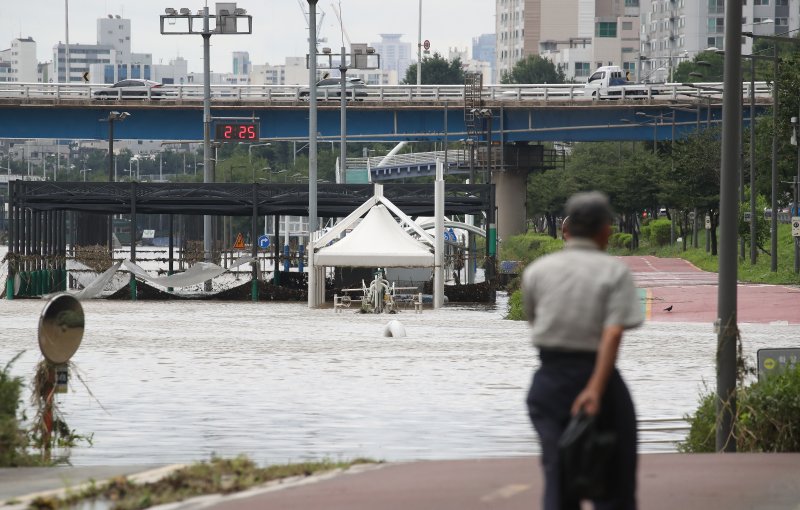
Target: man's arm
(589, 398)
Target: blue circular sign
(263, 242)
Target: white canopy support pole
(438, 254)
(312, 278)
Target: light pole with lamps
(419, 47)
(361, 57)
(752, 152)
(227, 23)
(113, 116)
(250, 150)
(795, 210)
(774, 169)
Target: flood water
(179, 381)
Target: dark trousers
(559, 380)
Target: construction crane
(319, 39)
(338, 14)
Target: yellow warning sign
(239, 244)
(769, 363)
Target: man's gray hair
(588, 213)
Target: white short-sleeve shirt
(571, 296)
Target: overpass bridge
(521, 113)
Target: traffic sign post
(775, 361)
(239, 244)
(426, 46)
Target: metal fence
(66, 92)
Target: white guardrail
(65, 92)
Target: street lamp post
(752, 152)
(250, 150)
(419, 47)
(113, 116)
(361, 57)
(795, 208)
(227, 23)
(774, 176)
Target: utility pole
(343, 116)
(312, 117)
(207, 175)
(419, 48)
(728, 265)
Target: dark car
(130, 89)
(331, 88)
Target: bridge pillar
(511, 189)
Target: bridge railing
(452, 156)
(59, 92)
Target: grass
(758, 273)
(217, 476)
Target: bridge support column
(511, 191)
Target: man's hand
(588, 400)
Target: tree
(693, 180)
(704, 67)
(436, 70)
(534, 69)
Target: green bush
(660, 232)
(528, 247)
(621, 240)
(767, 417)
(515, 312)
(644, 232)
(13, 438)
(525, 248)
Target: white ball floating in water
(394, 329)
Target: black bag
(585, 455)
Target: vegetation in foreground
(767, 417)
(525, 248)
(217, 476)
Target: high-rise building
(107, 61)
(81, 56)
(115, 31)
(396, 55)
(676, 30)
(577, 35)
(483, 50)
(18, 63)
(241, 63)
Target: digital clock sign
(236, 131)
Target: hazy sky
(279, 27)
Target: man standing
(579, 302)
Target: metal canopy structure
(229, 199)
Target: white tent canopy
(378, 241)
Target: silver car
(130, 89)
(331, 88)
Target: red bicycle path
(665, 482)
(692, 293)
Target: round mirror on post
(61, 328)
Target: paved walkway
(666, 482)
(692, 293)
(16, 482)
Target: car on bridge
(130, 89)
(331, 88)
